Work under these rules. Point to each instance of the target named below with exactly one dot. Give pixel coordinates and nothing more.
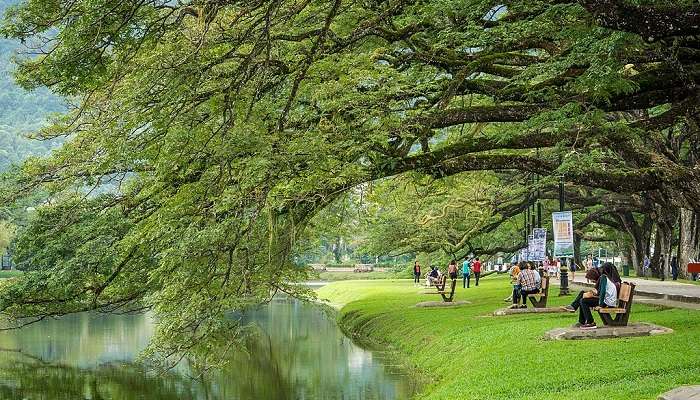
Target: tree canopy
(225, 126)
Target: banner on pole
(563, 228)
(538, 249)
(523, 254)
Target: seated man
(433, 276)
(529, 282)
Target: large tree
(221, 127)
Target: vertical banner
(563, 228)
(523, 254)
(538, 250)
(530, 247)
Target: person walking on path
(416, 272)
(466, 274)
(452, 269)
(573, 269)
(674, 268)
(645, 265)
(476, 268)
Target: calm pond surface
(300, 354)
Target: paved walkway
(667, 290)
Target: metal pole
(561, 193)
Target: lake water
(299, 354)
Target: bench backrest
(626, 293)
(441, 283)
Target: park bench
(623, 309)
(440, 286)
(539, 300)
(363, 268)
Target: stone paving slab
(428, 304)
(682, 393)
(668, 303)
(607, 332)
(529, 310)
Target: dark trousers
(453, 275)
(523, 294)
(416, 277)
(585, 316)
(465, 281)
(476, 277)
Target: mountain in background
(21, 112)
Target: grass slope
(468, 354)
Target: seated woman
(608, 269)
(604, 295)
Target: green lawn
(9, 274)
(468, 354)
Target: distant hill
(21, 112)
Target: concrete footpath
(667, 292)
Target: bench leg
(539, 303)
(619, 320)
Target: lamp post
(563, 270)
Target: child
(514, 273)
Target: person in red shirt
(476, 268)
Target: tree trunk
(635, 256)
(687, 248)
(639, 239)
(336, 250)
(662, 251)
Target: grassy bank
(469, 354)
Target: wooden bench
(440, 284)
(623, 309)
(539, 300)
(444, 293)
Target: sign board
(693, 267)
(523, 254)
(563, 228)
(538, 247)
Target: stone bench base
(442, 303)
(529, 310)
(607, 332)
(682, 393)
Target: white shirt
(610, 293)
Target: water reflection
(299, 353)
